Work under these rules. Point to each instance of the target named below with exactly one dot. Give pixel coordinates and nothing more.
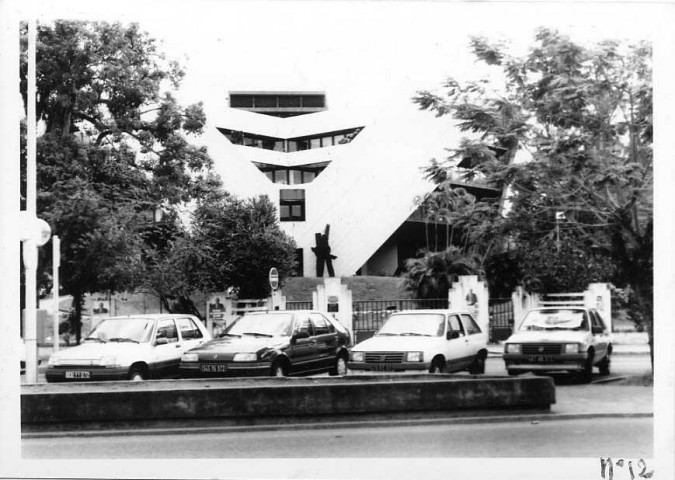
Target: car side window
(167, 329)
(596, 320)
(303, 324)
(470, 324)
(188, 329)
(455, 325)
(321, 325)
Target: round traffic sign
(274, 278)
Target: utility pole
(56, 263)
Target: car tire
(478, 365)
(279, 369)
(586, 375)
(137, 373)
(437, 365)
(340, 367)
(604, 366)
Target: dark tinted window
(241, 101)
(292, 205)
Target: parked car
(277, 343)
(135, 347)
(559, 339)
(436, 341)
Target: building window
(292, 205)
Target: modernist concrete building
(359, 173)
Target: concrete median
(251, 399)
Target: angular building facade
(359, 174)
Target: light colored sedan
(433, 341)
(559, 339)
(129, 348)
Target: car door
(458, 348)
(476, 338)
(303, 351)
(166, 349)
(326, 340)
(190, 334)
(600, 335)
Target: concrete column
(335, 299)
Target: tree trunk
(78, 302)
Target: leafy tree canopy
(583, 116)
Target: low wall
(45, 404)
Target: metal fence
(501, 318)
(369, 315)
(299, 305)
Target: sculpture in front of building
(323, 255)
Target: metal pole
(30, 249)
(56, 263)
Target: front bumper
(74, 373)
(545, 363)
(224, 369)
(389, 367)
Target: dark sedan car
(277, 343)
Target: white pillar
(56, 263)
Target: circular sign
(274, 278)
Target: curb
(533, 418)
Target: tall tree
(584, 116)
(115, 147)
(231, 243)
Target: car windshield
(555, 319)
(414, 324)
(134, 329)
(265, 324)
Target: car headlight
(54, 361)
(108, 362)
(512, 348)
(245, 357)
(189, 357)
(414, 357)
(358, 356)
(571, 348)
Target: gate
(501, 318)
(369, 315)
(298, 305)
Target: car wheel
(137, 374)
(340, 367)
(437, 366)
(604, 366)
(478, 365)
(586, 375)
(279, 369)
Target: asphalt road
(589, 437)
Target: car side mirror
(452, 335)
(161, 341)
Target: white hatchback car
(559, 339)
(136, 347)
(435, 341)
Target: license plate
(540, 358)
(78, 374)
(214, 368)
(383, 368)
